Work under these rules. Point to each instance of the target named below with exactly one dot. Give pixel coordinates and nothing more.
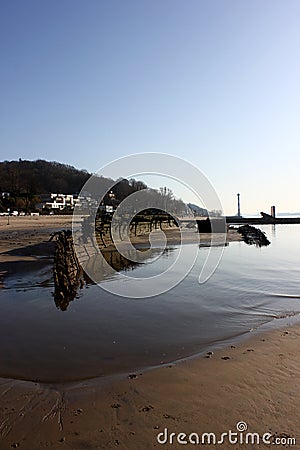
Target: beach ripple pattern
(169, 170)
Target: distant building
(60, 201)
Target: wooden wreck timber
(209, 225)
(142, 223)
(67, 272)
(250, 234)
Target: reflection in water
(69, 276)
(103, 334)
(217, 244)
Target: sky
(213, 82)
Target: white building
(60, 201)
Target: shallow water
(103, 334)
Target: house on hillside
(60, 201)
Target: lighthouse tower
(239, 206)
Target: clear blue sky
(215, 82)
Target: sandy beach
(29, 230)
(255, 382)
(24, 242)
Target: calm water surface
(101, 334)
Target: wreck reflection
(70, 278)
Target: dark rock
(252, 235)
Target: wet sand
(256, 382)
(25, 231)
(24, 243)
